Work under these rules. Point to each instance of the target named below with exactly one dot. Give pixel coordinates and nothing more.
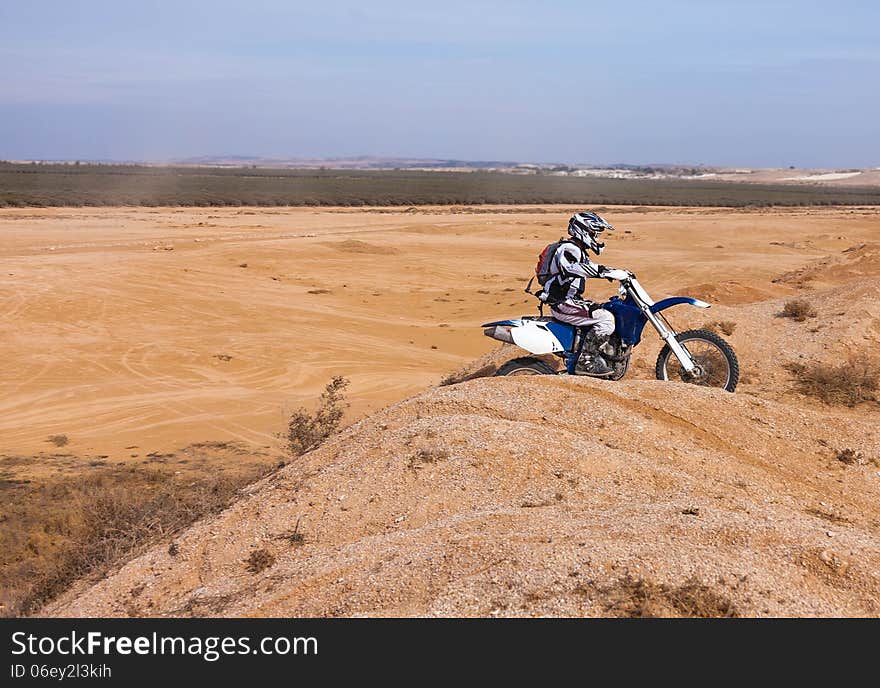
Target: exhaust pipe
(499, 332)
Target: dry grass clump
(850, 383)
(851, 457)
(63, 529)
(798, 310)
(641, 598)
(306, 431)
(294, 538)
(725, 327)
(57, 532)
(260, 560)
(58, 440)
(427, 455)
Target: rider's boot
(605, 346)
(594, 364)
(599, 366)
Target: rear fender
(502, 322)
(536, 338)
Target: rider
(569, 271)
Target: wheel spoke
(715, 361)
(713, 365)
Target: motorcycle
(696, 356)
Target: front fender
(675, 300)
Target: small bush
(429, 455)
(306, 431)
(260, 560)
(58, 440)
(850, 383)
(294, 538)
(798, 310)
(850, 456)
(641, 598)
(697, 600)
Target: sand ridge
(489, 498)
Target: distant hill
(363, 162)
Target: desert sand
(143, 327)
(156, 328)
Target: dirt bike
(697, 356)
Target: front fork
(682, 354)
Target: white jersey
(570, 269)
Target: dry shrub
(428, 455)
(850, 383)
(640, 598)
(294, 538)
(697, 600)
(853, 457)
(57, 532)
(58, 440)
(306, 431)
(798, 310)
(260, 560)
(725, 327)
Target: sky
(761, 83)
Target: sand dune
(491, 498)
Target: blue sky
(729, 82)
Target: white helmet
(585, 227)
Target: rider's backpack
(544, 268)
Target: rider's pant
(577, 312)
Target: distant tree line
(86, 184)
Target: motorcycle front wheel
(717, 365)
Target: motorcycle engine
(612, 349)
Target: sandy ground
(133, 331)
(502, 496)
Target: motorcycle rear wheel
(526, 366)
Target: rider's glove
(614, 274)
